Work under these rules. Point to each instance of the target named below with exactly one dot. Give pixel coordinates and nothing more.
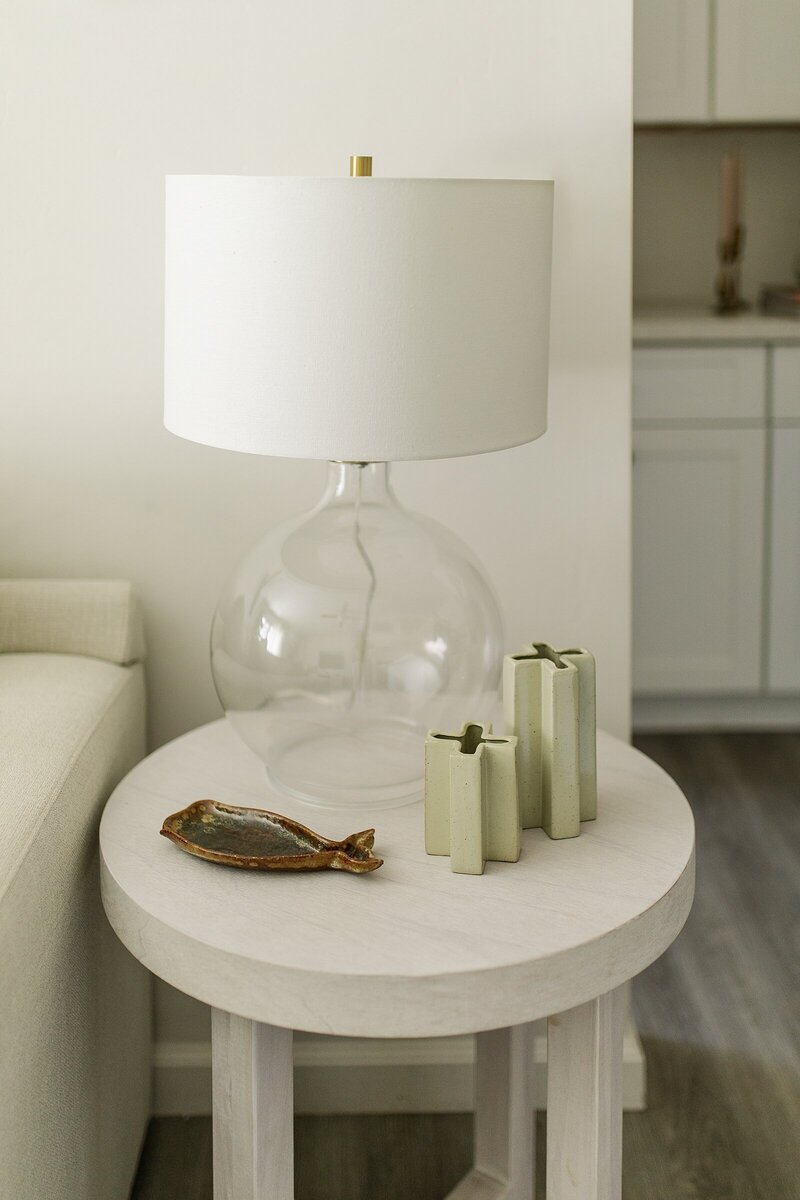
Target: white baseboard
(353, 1075)
(661, 714)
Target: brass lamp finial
(360, 164)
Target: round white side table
(411, 950)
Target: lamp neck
(358, 483)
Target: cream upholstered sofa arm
(97, 618)
(75, 1041)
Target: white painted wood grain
(253, 1110)
(584, 1100)
(504, 1128)
(367, 1075)
(412, 950)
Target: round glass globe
(345, 635)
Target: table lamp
(362, 321)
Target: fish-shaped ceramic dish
(264, 841)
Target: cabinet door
(757, 60)
(786, 383)
(671, 53)
(784, 623)
(698, 530)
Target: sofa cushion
(50, 707)
(96, 617)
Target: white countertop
(682, 324)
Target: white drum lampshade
(361, 321)
(357, 320)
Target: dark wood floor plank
(719, 1015)
(393, 1157)
(176, 1162)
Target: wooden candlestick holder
(728, 285)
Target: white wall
(101, 100)
(677, 211)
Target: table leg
(504, 1118)
(253, 1110)
(584, 1100)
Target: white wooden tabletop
(411, 950)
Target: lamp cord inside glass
(358, 680)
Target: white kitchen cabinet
(784, 610)
(698, 521)
(671, 60)
(716, 60)
(786, 383)
(756, 60)
(783, 664)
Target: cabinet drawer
(699, 383)
(786, 382)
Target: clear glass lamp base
(376, 766)
(346, 635)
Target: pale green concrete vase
(471, 801)
(549, 702)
